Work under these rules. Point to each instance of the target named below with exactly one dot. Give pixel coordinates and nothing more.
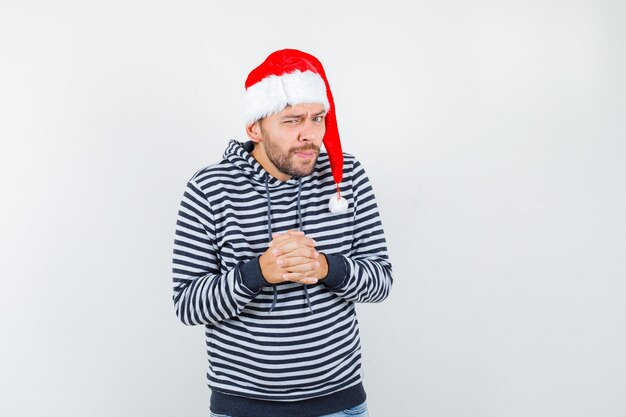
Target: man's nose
(307, 131)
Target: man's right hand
(299, 255)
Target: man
(274, 245)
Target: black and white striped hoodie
(289, 343)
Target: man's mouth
(305, 153)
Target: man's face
(291, 140)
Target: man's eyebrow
(292, 116)
(301, 115)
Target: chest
(244, 219)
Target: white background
(493, 133)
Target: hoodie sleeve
(364, 276)
(201, 294)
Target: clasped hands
(291, 256)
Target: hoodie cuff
(252, 276)
(337, 271)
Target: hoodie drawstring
(306, 289)
(269, 229)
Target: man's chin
(307, 168)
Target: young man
(274, 245)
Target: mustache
(308, 148)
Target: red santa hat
(290, 77)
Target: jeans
(357, 411)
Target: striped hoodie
(288, 344)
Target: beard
(286, 161)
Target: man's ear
(253, 130)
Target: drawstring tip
(274, 298)
(308, 299)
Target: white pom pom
(337, 205)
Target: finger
(292, 243)
(288, 232)
(277, 237)
(301, 278)
(308, 281)
(297, 264)
(300, 252)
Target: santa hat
(290, 77)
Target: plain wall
(492, 131)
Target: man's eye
(319, 118)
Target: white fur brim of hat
(274, 93)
